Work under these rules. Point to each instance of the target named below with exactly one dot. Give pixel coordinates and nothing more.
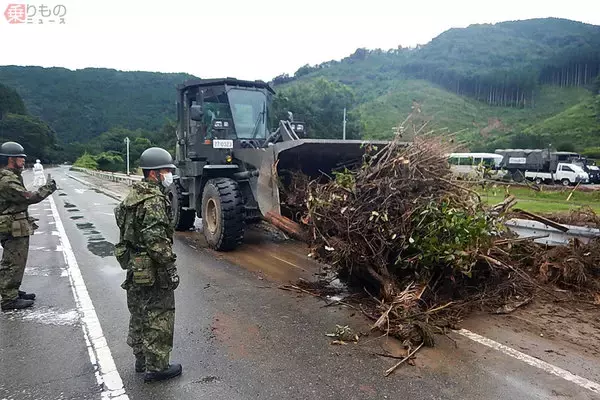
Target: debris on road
(408, 357)
(513, 305)
(424, 249)
(343, 335)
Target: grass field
(542, 202)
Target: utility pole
(344, 131)
(127, 142)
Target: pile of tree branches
(426, 249)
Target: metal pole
(344, 131)
(127, 141)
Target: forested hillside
(513, 84)
(81, 104)
(490, 82)
(17, 125)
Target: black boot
(171, 372)
(26, 296)
(16, 304)
(140, 364)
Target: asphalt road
(237, 335)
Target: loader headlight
(228, 159)
(218, 124)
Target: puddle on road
(85, 225)
(76, 217)
(62, 194)
(69, 205)
(97, 244)
(101, 248)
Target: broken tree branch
(392, 369)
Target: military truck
(519, 161)
(231, 162)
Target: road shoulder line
(101, 358)
(534, 362)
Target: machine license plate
(222, 144)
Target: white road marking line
(561, 373)
(107, 375)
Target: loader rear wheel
(223, 214)
(182, 219)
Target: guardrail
(528, 228)
(111, 176)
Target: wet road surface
(237, 335)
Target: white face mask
(167, 179)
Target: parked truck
(543, 165)
(566, 174)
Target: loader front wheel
(223, 214)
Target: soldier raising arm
(15, 225)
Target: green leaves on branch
(446, 234)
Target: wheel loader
(231, 162)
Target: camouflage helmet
(156, 158)
(12, 149)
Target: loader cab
(221, 114)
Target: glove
(173, 277)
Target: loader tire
(223, 219)
(183, 220)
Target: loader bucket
(313, 157)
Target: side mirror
(196, 112)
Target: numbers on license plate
(222, 144)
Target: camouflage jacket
(145, 223)
(15, 198)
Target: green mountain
(490, 82)
(17, 125)
(511, 84)
(82, 104)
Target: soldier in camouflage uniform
(145, 251)
(15, 225)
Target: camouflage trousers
(12, 266)
(151, 324)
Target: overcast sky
(248, 39)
